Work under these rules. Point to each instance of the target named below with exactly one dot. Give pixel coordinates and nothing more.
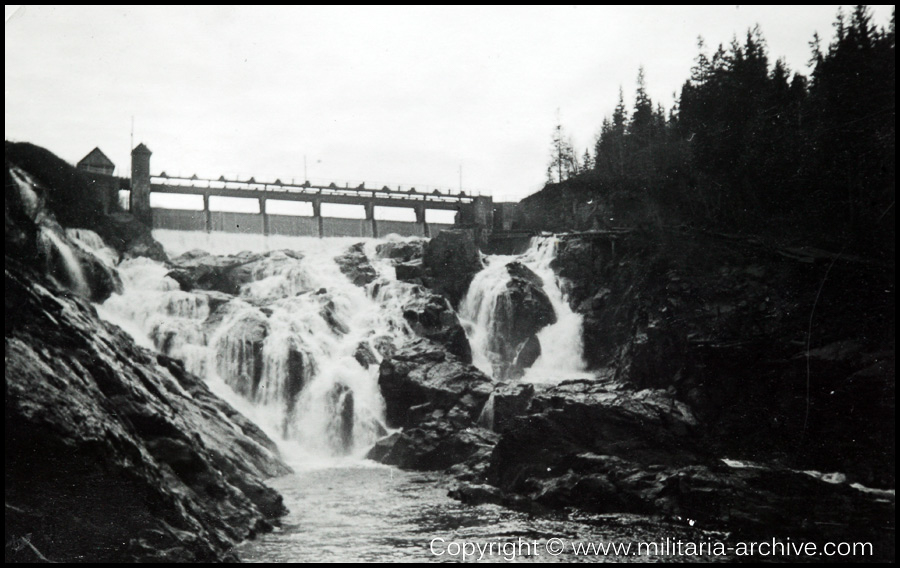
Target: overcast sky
(382, 95)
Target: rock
(199, 269)
(423, 372)
(130, 237)
(329, 314)
(433, 445)
(365, 354)
(510, 401)
(522, 310)
(102, 280)
(356, 265)
(229, 274)
(142, 461)
(214, 299)
(437, 399)
(74, 267)
(340, 431)
(528, 352)
(649, 427)
(621, 451)
(431, 317)
(402, 251)
(412, 271)
(526, 305)
(451, 260)
(519, 271)
(300, 369)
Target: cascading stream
(494, 310)
(300, 342)
(297, 348)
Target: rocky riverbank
(696, 411)
(113, 452)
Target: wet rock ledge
(115, 453)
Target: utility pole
(460, 177)
(305, 177)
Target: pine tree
(642, 121)
(563, 161)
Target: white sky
(382, 95)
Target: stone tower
(140, 184)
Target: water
(561, 343)
(286, 353)
(91, 242)
(63, 263)
(300, 344)
(356, 512)
(290, 344)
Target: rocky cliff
(783, 353)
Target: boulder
(412, 271)
(451, 260)
(197, 269)
(437, 399)
(356, 265)
(423, 372)
(431, 317)
(510, 401)
(401, 251)
(433, 445)
(521, 311)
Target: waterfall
(62, 262)
(300, 344)
(93, 243)
(486, 307)
(298, 347)
(486, 418)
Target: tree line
(748, 147)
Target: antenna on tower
(130, 148)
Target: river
(284, 352)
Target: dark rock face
(341, 430)
(356, 265)
(130, 237)
(434, 445)
(437, 399)
(451, 260)
(602, 448)
(198, 269)
(424, 373)
(615, 451)
(114, 453)
(412, 272)
(402, 251)
(431, 317)
(725, 323)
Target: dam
(323, 208)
